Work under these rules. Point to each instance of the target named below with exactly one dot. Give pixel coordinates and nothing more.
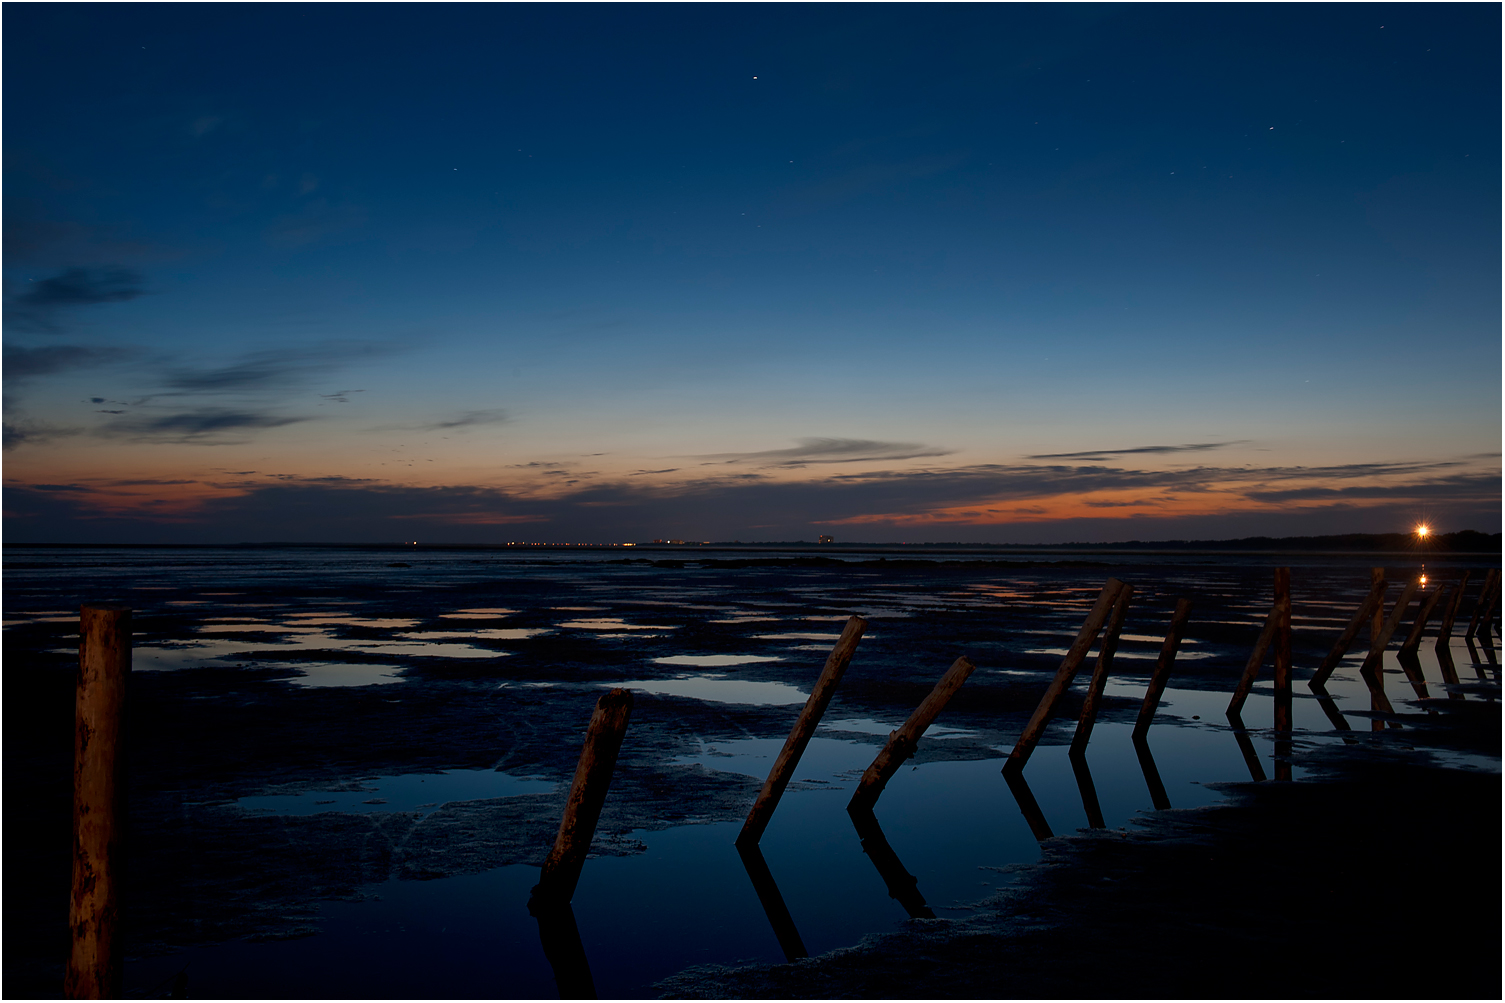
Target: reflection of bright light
(1423, 529)
(1423, 579)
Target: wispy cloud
(1189, 447)
(37, 306)
(463, 420)
(823, 450)
(23, 363)
(199, 426)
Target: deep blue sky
(621, 272)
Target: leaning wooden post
(1377, 619)
(1163, 667)
(901, 744)
(799, 737)
(1373, 601)
(1484, 591)
(104, 664)
(1450, 614)
(1100, 671)
(598, 759)
(1283, 674)
(1035, 729)
(1413, 639)
(1256, 659)
(1489, 609)
(1375, 662)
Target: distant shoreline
(1465, 542)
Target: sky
(582, 273)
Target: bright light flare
(1423, 530)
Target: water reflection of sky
(420, 792)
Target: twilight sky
(580, 273)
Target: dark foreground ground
(1381, 880)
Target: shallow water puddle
(719, 689)
(714, 661)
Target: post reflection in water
(1330, 708)
(1411, 665)
(1089, 793)
(561, 945)
(1449, 671)
(1028, 805)
(1152, 780)
(1251, 757)
(902, 885)
(773, 902)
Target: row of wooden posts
(94, 966)
(550, 901)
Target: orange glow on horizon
(1423, 530)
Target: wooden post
(1100, 671)
(1487, 621)
(901, 744)
(1377, 618)
(1163, 667)
(1283, 652)
(1484, 591)
(1373, 601)
(1256, 658)
(1375, 662)
(794, 746)
(1413, 639)
(1028, 806)
(773, 902)
(1088, 789)
(598, 759)
(104, 665)
(1411, 666)
(902, 885)
(1450, 613)
(1035, 729)
(1449, 672)
(1152, 780)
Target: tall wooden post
(598, 760)
(1162, 667)
(1450, 614)
(1375, 600)
(1377, 619)
(901, 744)
(1100, 671)
(1035, 729)
(1413, 639)
(104, 664)
(1256, 659)
(1283, 674)
(1490, 577)
(799, 737)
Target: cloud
(275, 370)
(35, 309)
(821, 450)
(492, 416)
(1190, 447)
(21, 431)
(201, 426)
(22, 363)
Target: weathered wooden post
(1373, 601)
(598, 759)
(1490, 577)
(1373, 668)
(1256, 659)
(1490, 599)
(104, 665)
(1413, 639)
(794, 746)
(1377, 618)
(901, 744)
(1100, 671)
(1035, 729)
(1283, 674)
(1163, 665)
(1450, 614)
